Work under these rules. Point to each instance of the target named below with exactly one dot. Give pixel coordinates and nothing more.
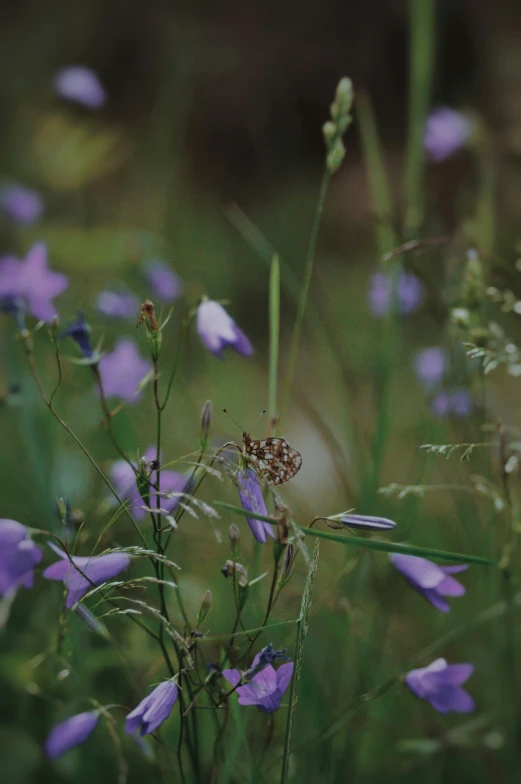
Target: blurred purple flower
(430, 366)
(118, 304)
(79, 331)
(365, 522)
(123, 370)
(18, 557)
(433, 582)
(252, 501)
(409, 293)
(70, 733)
(440, 684)
(21, 204)
(457, 402)
(446, 132)
(166, 285)
(29, 286)
(266, 689)
(124, 480)
(96, 568)
(81, 85)
(218, 330)
(153, 710)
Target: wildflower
(266, 656)
(153, 710)
(165, 284)
(430, 366)
(97, 570)
(79, 331)
(28, 286)
(446, 132)
(457, 402)
(218, 330)
(81, 85)
(440, 684)
(117, 304)
(18, 557)
(123, 370)
(432, 581)
(409, 293)
(365, 522)
(21, 204)
(252, 501)
(124, 480)
(265, 689)
(71, 732)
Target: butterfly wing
(275, 460)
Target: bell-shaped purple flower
(18, 557)
(28, 286)
(165, 284)
(433, 582)
(118, 304)
(81, 85)
(123, 370)
(79, 331)
(365, 522)
(124, 480)
(440, 684)
(95, 570)
(71, 732)
(22, 205)
(218, 330)
(446, 132)
(252, 501)
(409, 293)
(266, 689)
(457, 402)
(153, 710)
(431, 365)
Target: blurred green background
(212, 127)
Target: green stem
(301, 309)
(274, 310)
(422, 29)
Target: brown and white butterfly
(273, 459)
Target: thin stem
(274, 311)
(301, 309)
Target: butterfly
(273, 459)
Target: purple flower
(153, 710)
(266, 689)
(70, 733)
(165, 284)
(118, 304)
(446, 132)
(21, 204)
(457, 402)
(81, 85)
(29, 286)
(79, 331)
(365, 522)
(124, 480)
(123, 370)
(18, 557)
(440, 684)
(252, 501)
(218, 330)
(432, 581)
(409, 293)
(430, 366)
(97, 570)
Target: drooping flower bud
(204, 608)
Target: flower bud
(206, 423)
(235, 537)
(204, 608)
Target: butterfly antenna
(260, 415)
(233, 420)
